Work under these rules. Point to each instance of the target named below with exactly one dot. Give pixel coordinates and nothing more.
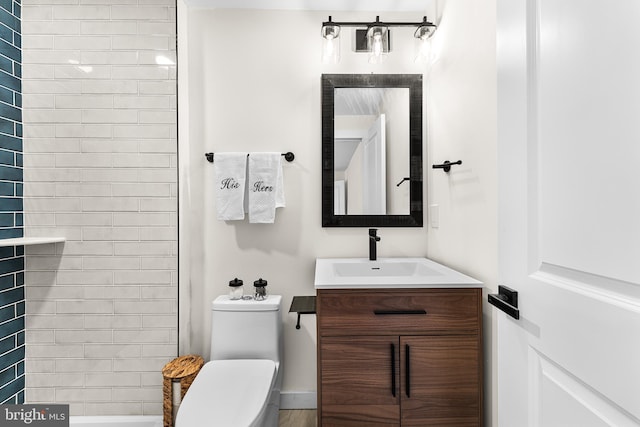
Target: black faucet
(373, 239)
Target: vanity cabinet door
(441, 381)
(360, 381)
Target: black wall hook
(447, 165)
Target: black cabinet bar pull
(407, 370)
(398, 312)
(393, 369)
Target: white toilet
(240, 386)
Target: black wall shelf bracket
(506, 300)
(303, 305)
(446, 166)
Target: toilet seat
(228, 393)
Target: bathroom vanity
(399, 344)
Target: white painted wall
(237, 92)
(462, 126)
(252, 82)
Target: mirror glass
(372, 150)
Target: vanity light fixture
(377, 38)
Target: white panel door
(569, 212)
(374, 168)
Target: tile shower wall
(100, 169)
(12, 304)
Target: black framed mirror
(372, 150)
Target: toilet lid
(227, 393)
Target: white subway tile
(109, 116)
(40, 307)
(112, 292)
(82, 160)
(157, 117)
(112, 175)
(120, 321)
(168, 351)
(36, 13)
(84, 306)
(33, 204)
(83, 365)
(110, 57)
(158, 234)
(52, 263)
(83, 219)
(143, 13)
(160, 321)
(144, 131)
(88, 248)
(157, 205)
(141, 190)
(148, 102)
(37, 42)
(142, 248)
(144, 307)
(140, 219)
(39, 394)
(144, 161)
(112, 379)
(81, 12)
(139, 365)
(157, 88)
(108, 204)
(84, 394)
(110, 86)
(108, 27)
(56, 86)
(39, 365)
(113, 408)
(51, 116)
(82, 72)
(38, 71)
(158, 146)
(50, 27)
(84, 101)
(114, 234)
(87, 278)
(38, 101)
(39, 336)
(110, 263)
(48, 351)
(100, 351)
(55, 321)
(58, 145)
(49, 57)
(143, 277)
(160, 290)
(67, 189)
(83, 131)
(82, 336)
(145, 336)
(60, 380)
(43, 293)
(109, 146)
(141, 42)
(139, 72)
(158, 263)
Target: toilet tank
(246, 329)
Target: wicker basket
(183, 369)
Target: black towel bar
(288, 156)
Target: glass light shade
(378, 42)
(423, 53)
(330, 44)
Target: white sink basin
(344, 273)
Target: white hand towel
(231, 173)
(266, 189)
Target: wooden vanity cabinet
(410, 357)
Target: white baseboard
(298, 400)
